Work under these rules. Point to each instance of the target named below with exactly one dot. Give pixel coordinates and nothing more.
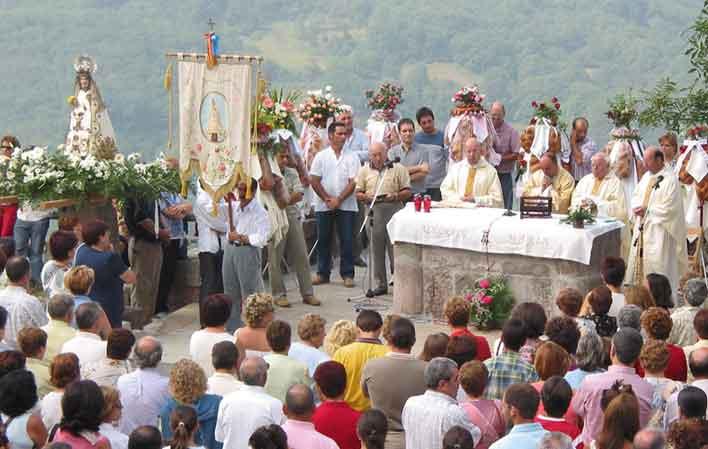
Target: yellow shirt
(58, 333)
(354, 357)
(40, 369)
(396, 179)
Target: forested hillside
(583, 52)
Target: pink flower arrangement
(484, 283)
(386, 98)
(490, 302)
(319, 106)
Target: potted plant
(491, 302)
(579, 216)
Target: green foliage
(491, 301)
(579, 214)
(581, 52)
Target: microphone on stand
(389, 164)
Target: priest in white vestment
(659, 235)
(552, 181)
(473, 179)
(601, 189)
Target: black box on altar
(536, 207)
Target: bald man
(299, 407)
(659, 237)
(601, 190)
(394, 192)
(473, 179)
(698, 363)
(551, 181)
(507, 145)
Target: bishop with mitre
(659, 237)
(472, 179)
(601, 190)
(552, 181)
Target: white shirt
(27, 213)
(201, 344)
(672, 411)
(617, 303)
(105, 372)
(50, 408)
(335, 174)
(88, 347)
(211, 228)
(23, 310)
(143, 394)
(117, 439)
(252, 221)
(427, 417)
(242, 412)
(222, 384)
(308, 355)
(358, 143)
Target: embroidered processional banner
(215, 124)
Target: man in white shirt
(299, 408)
(698, 363)
(23, 309)
(427, 417)
(224, 358)
(87, 344)
(30, 235)
(473, 179)
(333, 175)
(211, 243)
(249, 228)
(245, 410)
(143, 392)
(311, 330)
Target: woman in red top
(656, 322)
(457, 312)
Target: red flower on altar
(484, 283)
(558, 106)
(534, 104)
(487, 300)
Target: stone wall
(426, 276)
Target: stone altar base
(426, 276)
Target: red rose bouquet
(491, 302)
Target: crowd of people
(612, 369)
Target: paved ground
(174, 331)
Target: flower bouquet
(544, 133)
(623, 112)
(469, 119)
(550, 112)
(275, 112)
(382, 125)
(491, 302)
(315, 111)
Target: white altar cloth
(465, 228)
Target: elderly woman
(188, 386)
(82, 405)
(63, 370)
(110, 416)
(588, 358)
(341, 334)
(683, 333)
(78, 281)
(257, 314)
(18, 396)
(656, 324)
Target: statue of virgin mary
(90, 129)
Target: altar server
(473, 179)
(395, 190)
(659, 224)
(551, 181)
(601, 189)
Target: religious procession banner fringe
(215, 124)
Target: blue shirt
(521, 436)
(437, 158)
(175, 225)
(107, 288)
(207, 408)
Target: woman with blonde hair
(188, 386)
(342, 333)
(78, 281)
(258, 312)
(110, 416)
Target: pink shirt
(75, 442)
(586, 402)
(302, 435)
(489, 435)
